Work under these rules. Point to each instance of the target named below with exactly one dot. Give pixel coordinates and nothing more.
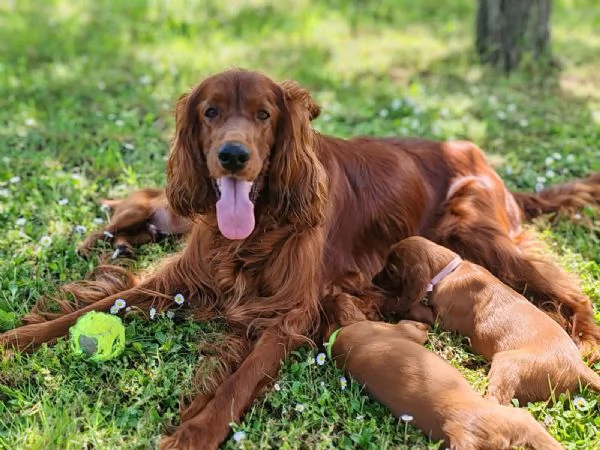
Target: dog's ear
(298, 186)
(404, 280)
(189, 188)
(413, 331)
(297, 93)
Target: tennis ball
(98, 336)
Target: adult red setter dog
(283, 216)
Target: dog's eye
(211, 112)
(262, 115)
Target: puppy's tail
(492, 426)
(522, 429)
(528, 432)
(589, 378)
(567, 198)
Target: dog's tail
(567, 198)
(589, 378)
(527, 431)
(498, 427)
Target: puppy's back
(400, 373)
(395, 368)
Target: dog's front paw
(195, 434)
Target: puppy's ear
(413, 331)
(405, 282)
(189, 188)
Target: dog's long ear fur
(189, 188)
(298, 182)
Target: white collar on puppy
(444, 273)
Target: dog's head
(242, 138)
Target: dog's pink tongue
(235, 211)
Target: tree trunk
(506, 29)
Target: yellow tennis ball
(99, 336)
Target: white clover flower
(144, 79)
(508, 170)
(170, 314)
(511, 107)
(46, 241)
(4, 193)
(360, 417)
(577, 216)
(128, 309)
(119, 123)
(179, 299)
(570, 158)
(15, 179)
(557, 156)
(396, 104)
(523, 122)
(101, 86)
(277, 387)
(549, 161)
(539, 186)
(320, 359)
(406, 417)
(322, 384)
(501, 115)
(239, 436)
(63, 201)
(80, 229)
(444, 112)
(152, 313)
(541, 179)
(98, 220)
(550, 173)
(492, 99)
(548, 421)
(20, 221)
(114, 309)
(120, 303)
(343, 383)
(129, 146)
(30, 122)
(299, 407)
(108, 234)
(383, 112)
(105, 208)
(580, 403)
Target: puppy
(531, 355)
(395, 368)
(143, 217)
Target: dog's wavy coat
(283, 216)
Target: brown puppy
(390, 361)
(531, 355)
(143, 217)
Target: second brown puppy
(531, 355)
(395, 368)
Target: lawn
(86, 93)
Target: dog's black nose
(233, 156)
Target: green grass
(86, 91)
